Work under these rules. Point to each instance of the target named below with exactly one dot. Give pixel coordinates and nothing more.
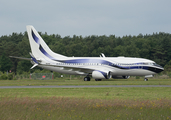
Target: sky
(86, 17)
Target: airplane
(96, 67)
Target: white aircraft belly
(132, 72)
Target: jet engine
(101, 74)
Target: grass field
(62, 108)
(85, 103)
(149, 93)
(81, 82)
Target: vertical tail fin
(39, 48)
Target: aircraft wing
(78, 69)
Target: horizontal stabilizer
(22, 58)
(34, 66)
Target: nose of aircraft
(162, 69)
(156, 69)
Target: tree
(156, 47)
(5, 63)
(23, 66)
(167, 67)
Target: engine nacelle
(101, 74)
(120, 77)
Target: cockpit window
(155, 64)
(145, 63)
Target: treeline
(156, 47)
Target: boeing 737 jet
(96, 67)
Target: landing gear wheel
(86, 78)
(145, 79)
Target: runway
(84, 86)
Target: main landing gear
(87, 78)
(145, 79)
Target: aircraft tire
(145, 79)
(86, 78)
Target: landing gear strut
(87, 79)
(145, 79)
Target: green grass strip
(81, 82)
(151, 93)
(61, 108)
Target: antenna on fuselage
(103, 55)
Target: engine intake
(101, 74)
